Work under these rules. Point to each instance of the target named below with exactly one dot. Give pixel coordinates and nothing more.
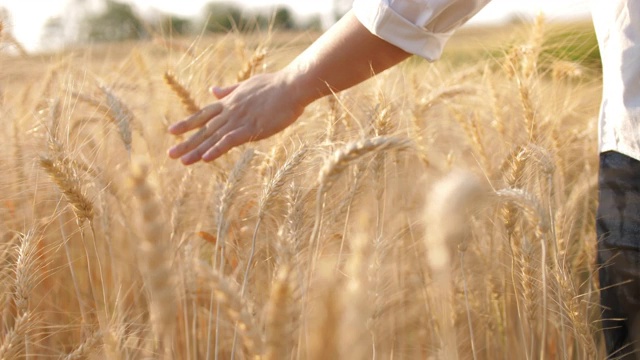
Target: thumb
(221, 92)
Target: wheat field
(438, 211)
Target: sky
(29, 15)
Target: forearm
(344, 56)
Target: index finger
(196, 120)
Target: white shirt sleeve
(420, 27)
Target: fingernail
(208, 157)
(185, 160)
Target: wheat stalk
(18, 156)
(324, 332)
(345, 207)
(278, 317)
(231, 302)
(447, 215)
(357, 305)
(178, 203)
(227, 197)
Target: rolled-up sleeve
(420, 27)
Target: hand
(252, 110)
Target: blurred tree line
(112, 20)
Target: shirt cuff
(381, 20)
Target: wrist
(303, 86)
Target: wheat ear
(26, 271)
(269, 193)
(14, 340)
(340, 159)
(229, 192)
(250, 66)
(512, 173)
(58, 152)
(182, 93)
(6, 250)
(120, 114)
(67, 181)
(523, 255)
(530, 207)
(578, 197)
(154, 257)
(84, 350)
(570, 307)
(331, 170)
(334, 166)
(292, 228)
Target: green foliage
(175, 25)
(577, 44)
(283, 18)
(224, 17)
(116, 22)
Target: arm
(263, 105)
(344, 56)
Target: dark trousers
(618, 229)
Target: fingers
(220, 93)
(196, 154)
(217, 144)
(189, 144)
(196, 120)
(232, 139)
(198, 137)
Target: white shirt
(422, 27)
(617, 24)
